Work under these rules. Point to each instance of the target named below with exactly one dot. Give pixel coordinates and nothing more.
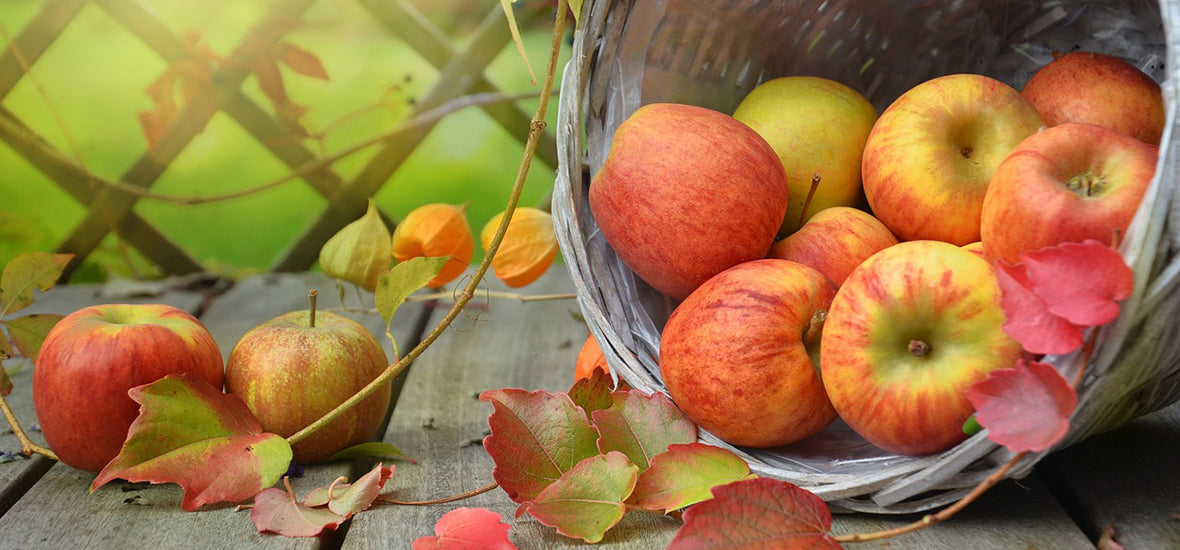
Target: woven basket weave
(627, 53)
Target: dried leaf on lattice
(193, 75)
(301, 61)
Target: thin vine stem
(386, 500)
(536, 128)
(28, 448)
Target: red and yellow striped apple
(291, 370)
(911, 328)
(1067, 183)
(685, 193)
(834, 241)
(816, 126)
(738, 356)
(931, 154)
(94, 355)
(1100, 89)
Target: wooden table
(1128, 479)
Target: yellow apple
(816, 126)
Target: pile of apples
(876, 299)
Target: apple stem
(920, 348)
(807, 202)
(815, 327)
(311, 299)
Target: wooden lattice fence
(109, 204)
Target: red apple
(291, 371)
(685, 193)
(834, 241)
(930, 156)
(738, 356)
(1098, 89)
(907, 333)
(94, 355)
(1067, 183)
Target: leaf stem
(944, 514)
(386, 500)
(536, 128)
(27, 447)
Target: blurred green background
(88, 88)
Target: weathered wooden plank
(1125, 479)
(56, 512)
(16, 477)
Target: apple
(1067, 183)
(94, 355)
(739, 355)
(1098, 89)
(975, 248)
(296, 367)
(685, 193)
(911, 328)
(930, 156)
(834, 241)
(816, 126)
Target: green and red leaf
(588, 499)
(593, 392)
(642, 426)
(685, 475)
(1025, 408)
(467, 529)
(361, 493)
(26, 273)
(276, 511)
(757, 513)
(192, 434)
(535, 438)
(28, 332)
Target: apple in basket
(292, 369)
(931, 154)
(834, 241)
(94, 355)
(739, 355)
(685, 193)
(1067, 183)
(1098, 89)
(911, 328)
(817, 126)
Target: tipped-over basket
(627, 53)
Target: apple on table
(930, 156)
(94, 355)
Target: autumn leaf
(684, 475)
(467, 529)
(589, 498)
(1025, 408)
(192, 434)
(361, 493)
(1027, 316)
(593, 392)
(300, 61)
(757, 513)
(535, 438)
(29, 331)
(28, 272)
(1081, 282)
(193, 75)
(641, 426)
(277, 511)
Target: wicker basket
(710, 53)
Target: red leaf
(361, 494)
(208, 442)
(685, 475)
(1025, 408)
(642, 426)
(589, 498)
(758, 513)
(275, 511)
(301, 61)
(1028, 319)
(535, 438)
(467, 529)
(1081, 282)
